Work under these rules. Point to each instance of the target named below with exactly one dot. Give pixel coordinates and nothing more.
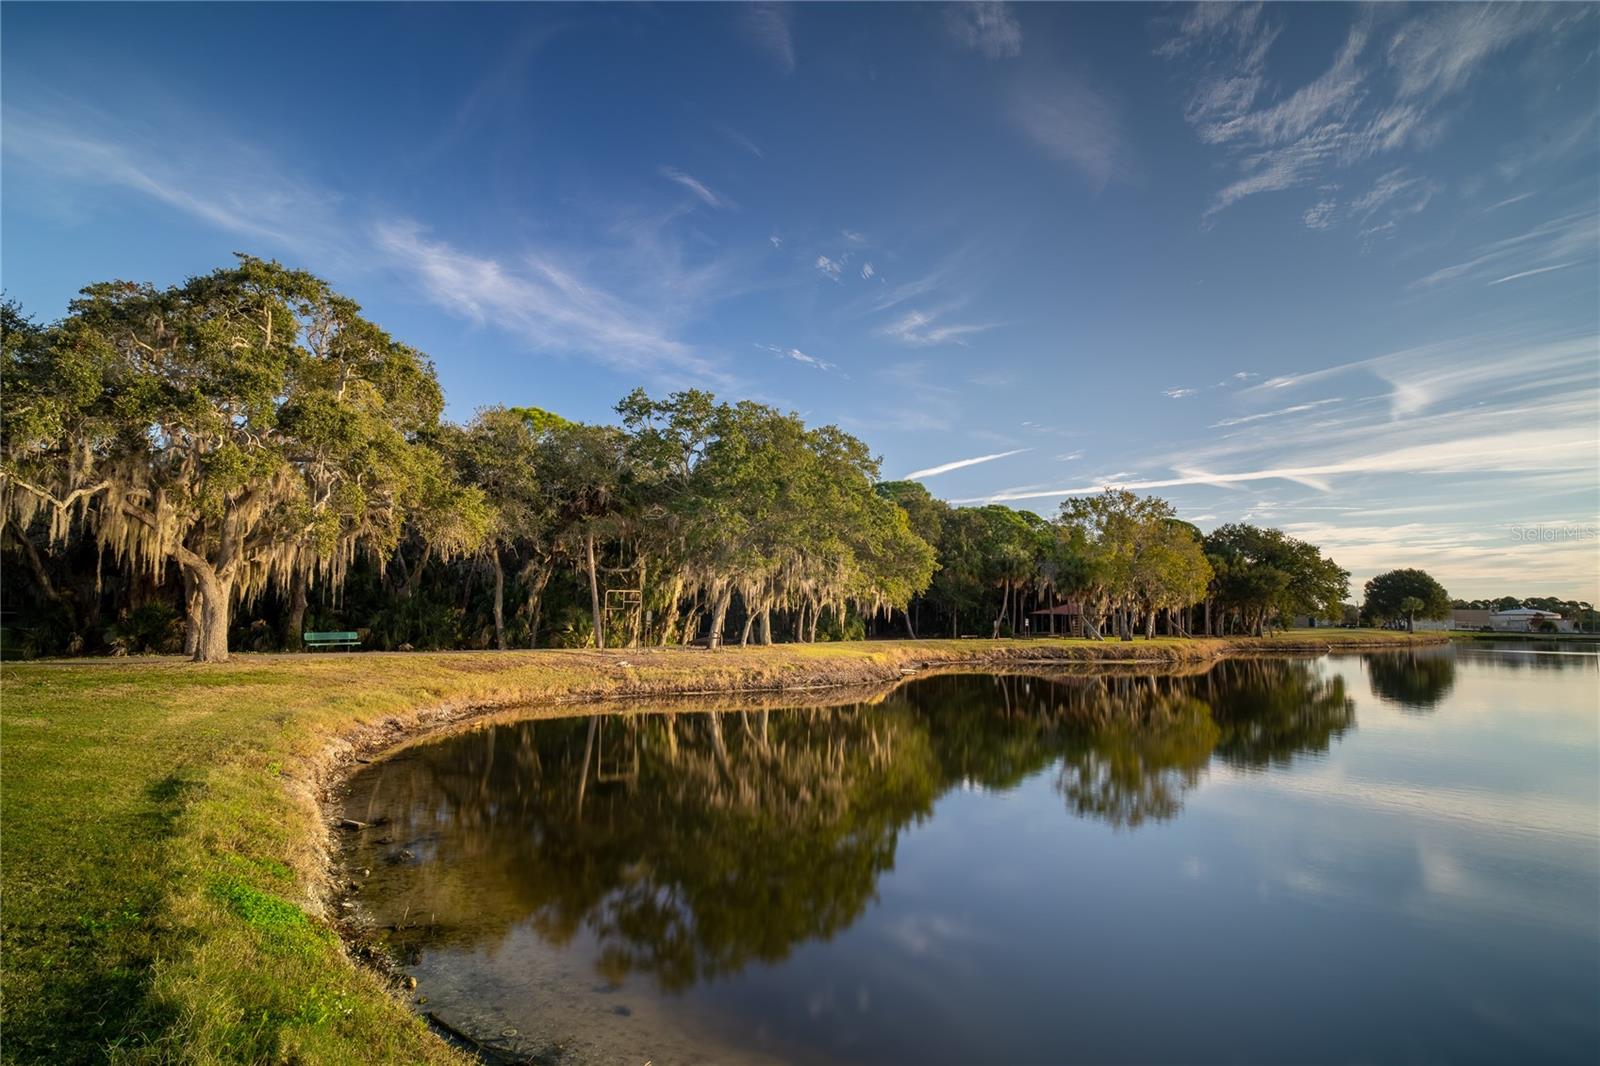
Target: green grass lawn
(162, 843)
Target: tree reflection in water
(1415, 680)
(688, 845)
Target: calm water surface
(1377, 858)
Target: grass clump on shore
(163, 853)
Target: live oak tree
(501, 452)
(1265, 574)
(1406, 594)
(1134, 555)
(249, 430)
(745, 500)
(248, 426)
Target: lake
(1377, 858)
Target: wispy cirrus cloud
(828, 268)
(1486, 417)
(1561, 242)
(988, 28)
(1380, 92)
(701, 190)
(1513, 451)
(770, 26)
(1177, 393)
(796, 355)
(742, 141)
(1074, 124)
(542, 301)
(925, 328)
(1392, 197)
(958, 464)
(1293, 409)
(227, 184)
(1498, 365)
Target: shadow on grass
(91, 960)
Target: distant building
(1460, 618)
(1527, 620)
(1065, 619)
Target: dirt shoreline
(867, 678)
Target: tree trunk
(594, 595)
(499, 597)
(214, 595)
(719, 618)
(749, 624)
(911, 630)
(766, 626)
(414, 575)
(536, 586)
(294, 623)
(191, 612)
(669, 618)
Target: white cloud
(853, 237)
(910, 290)
(1320, 214)
(742, 141)
(1436, 54)
(1178, 393)
(923, 328)
(1562, 241)
(540, 300)
(1074, 124)
(945, 468)
(828, 268)
(1508, 201)
(768, 24)
(777, 241)
(798, 356)
(990, 29)
(1510, 452)
(1530, 273)
(1375, 96)
(225, 183)
(867, 272)
(696, 186)
(1497, 365)
(1292, 410)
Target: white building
(1526, 620)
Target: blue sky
(1330, 268)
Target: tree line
(236, 459)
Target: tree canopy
(1406, 594)
(247, 425)
(246, 456)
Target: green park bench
(334, 639)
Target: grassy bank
(162, 843)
